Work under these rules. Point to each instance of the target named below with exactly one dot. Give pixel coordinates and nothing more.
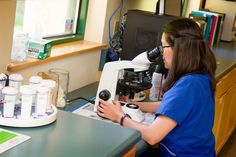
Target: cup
(63, 85)
(19, 46)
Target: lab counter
(74, 135)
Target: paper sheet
(9, 139)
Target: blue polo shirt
(191, 104)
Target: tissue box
(39, 49)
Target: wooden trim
(58, 52)
(131, 152)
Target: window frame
(80, 29)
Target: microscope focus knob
(104, 95)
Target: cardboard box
(39, 49)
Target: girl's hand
(125, 99)
(110, 111)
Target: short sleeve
(178, 102)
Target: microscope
(125, 77)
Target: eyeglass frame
(161, 48)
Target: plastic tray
(33, 121)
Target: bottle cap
(3, 77)
(35, 80)
(17, 77)
(43, 89)
(9, 90)
(49, 83)
(27, 89)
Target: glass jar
(19, 46)
(63, 85)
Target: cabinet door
(218, 112)
(230, 119)
(219, 128)
(225, 117)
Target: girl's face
(167, 52)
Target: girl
(185, 116)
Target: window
(51, 19)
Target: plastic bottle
(10, 95)
(15, 80)
(51, 84)
(27, 97)
(43, 96)
(156, 84)
(35, 82)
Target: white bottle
(27, 97)
(10, 95)
(1, 95)
(35, 82)
(156, 85)
(42, 100)
(3, 79)
(15, 80)
(51, 84)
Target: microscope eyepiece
(153, 55)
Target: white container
(156, 86)
(51, 84)
(10, 96)
(27, 97)
(35, 81)
(15, 80)
(1, 95)
(3, 79)
(42, 100)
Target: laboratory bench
(74, 135)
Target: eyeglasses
(161, 48)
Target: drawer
(225, 83)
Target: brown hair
(191, 52)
